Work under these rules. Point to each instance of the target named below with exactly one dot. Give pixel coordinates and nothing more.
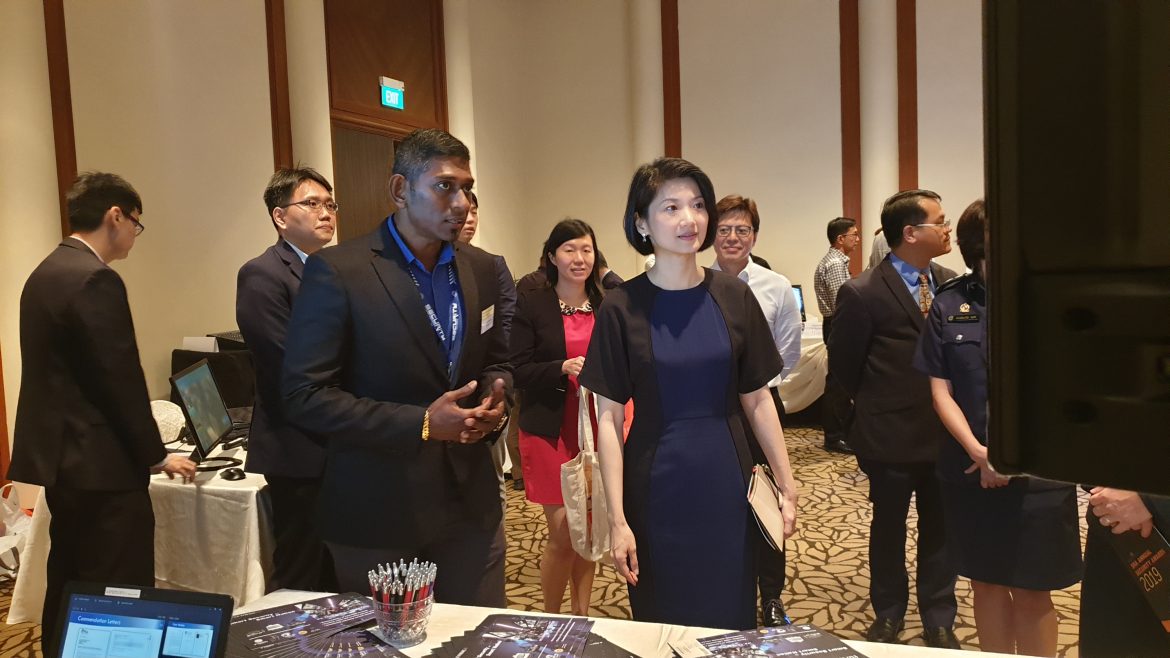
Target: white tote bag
(583, 491)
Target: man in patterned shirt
(832, 272)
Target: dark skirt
(1024, 535)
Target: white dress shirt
(774, 293)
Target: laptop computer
(141, 622)
(206, 415)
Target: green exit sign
(393, 93)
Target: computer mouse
(233, 474)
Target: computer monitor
(206, 414)
(141, 622)
(799, 292)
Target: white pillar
(645, 43)
(878, 37)
(308, 85)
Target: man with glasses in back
(831, 273)
(301, 207)
(735, 236)
(895, 431)
(84, 429)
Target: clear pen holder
(404, 624)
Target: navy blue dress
(685, 356)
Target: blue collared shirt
(910, 274)
(300, 254)
(437, 291)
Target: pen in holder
(403, 595)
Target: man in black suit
(301, 206)
(84, 428)
(895, 431)
(395, 356)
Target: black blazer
(361, 365)
(83, 419)
(871, 349)
(265, 289)
(538, 352)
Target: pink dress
(541, 457)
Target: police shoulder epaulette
(960, 280)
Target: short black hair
(971, 235)
(736, 203)
(285, 181)
(902, 210)
(473, 199)
(643, 188)
(571, 229)
(838, 227)
(412, 156)
(93, 193)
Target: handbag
(13, 532)
(583, 491)
(767, 502)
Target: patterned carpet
(828, 578)
(828, 574)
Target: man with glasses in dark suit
(84, 429)
(302, 210)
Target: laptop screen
(143, 623)
(799, 292)
(203, 406)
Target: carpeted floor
(828, 577)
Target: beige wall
(761, 114)
(31, 224)
(554, 125)
(950, 106)
(174, 96)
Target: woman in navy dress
(692, 348)
(1016, 539)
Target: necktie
(924, 296)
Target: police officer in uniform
(1016, 539)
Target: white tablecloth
(212, 535)
(643, 639)
(806, 382)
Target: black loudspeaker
(1078, 197)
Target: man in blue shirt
(895, 432)
(396, 357)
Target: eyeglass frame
(139, 227)
(945, 224)
(309, 203)
(725, 231)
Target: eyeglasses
(740, 231)
(138, 227)
(943, 225)
(315, 205)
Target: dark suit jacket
(871, 347)
(538, 352)
(265, 290)
(361, 366)
(83, 419)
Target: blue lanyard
(434, 318)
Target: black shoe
(884, 630)
(518, 485)
(941, 638)
(774, 614)
(839, 446)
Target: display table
(211, 535)
(806, 381)
(646, 640)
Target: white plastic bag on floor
(15, 530)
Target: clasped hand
(451, 422)
(1120, 510)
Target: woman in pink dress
(550, 335)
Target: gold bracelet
(500, 425)
(426, 431)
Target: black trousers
(836, 407)
(299, 559)
(890, 489)
(97, 537)
(470, 564)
